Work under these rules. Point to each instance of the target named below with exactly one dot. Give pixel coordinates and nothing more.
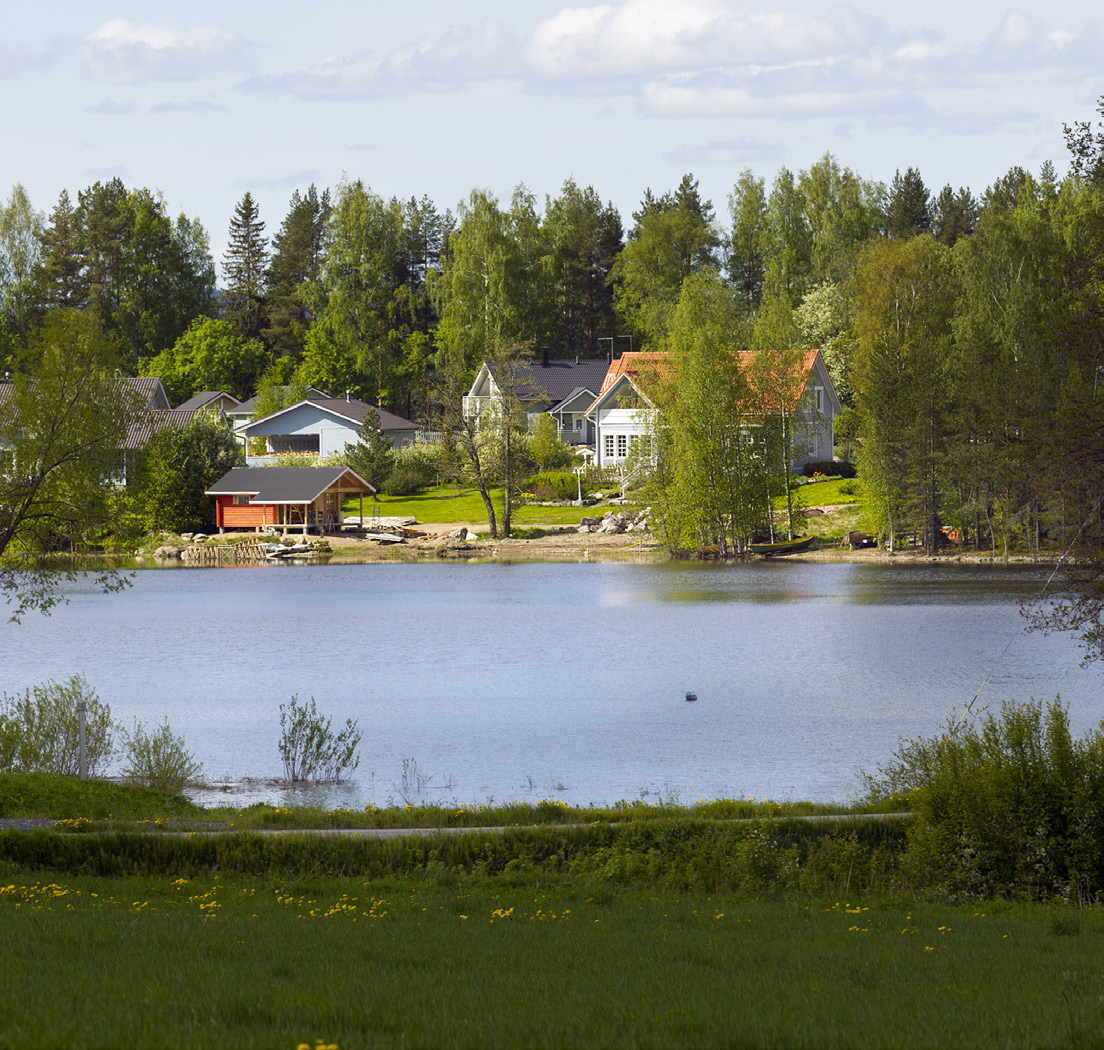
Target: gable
(307, 417)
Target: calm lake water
(527, 681)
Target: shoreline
(568, 545)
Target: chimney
(544, 358)
(348, 395)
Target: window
(820, 398)
(622, 446)
(241, 501)
(609, 446)
(578, 424)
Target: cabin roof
(288, 484)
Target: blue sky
(207, 100)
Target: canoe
(783, 547)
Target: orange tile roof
(658, 364)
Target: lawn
(451, 503)
(271, 962)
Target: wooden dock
(225, 554)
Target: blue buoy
(691, 696)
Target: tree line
(962, 330)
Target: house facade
(562, 389)
(321, 427)
(622, 414)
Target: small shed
(305, 498)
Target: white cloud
(645, 37)
(458, 56)
(129, 53)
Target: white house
(563, 389)
(622, 413)
(322, 427)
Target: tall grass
(268, 962)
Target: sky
(205, 101)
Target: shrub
(836, 468)
(40, 729)
(414, 467)
(1012, 806)
(309, 747)
(159, 759)
(403, 481)
(553, 484)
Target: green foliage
(42, 795)
(412, 468)
(545, 446)
(309, 747)
(210, 355)
(159, 759)
(553, 484)
(244, 264)
(177, 466)
(837, 468)
(63, 419)
(40, 729)
(1010, 805)
(372, 457)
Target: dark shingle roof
(284, 484)
(557, 379)
(150, 422)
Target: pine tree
(244, 268)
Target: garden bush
(836, 468)
(159, 760)
(553, 484)
(415, 467)
(40, 729)
(309, 747)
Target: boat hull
(802, 543)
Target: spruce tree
(296, 259)
(908, 210)
(244, 268)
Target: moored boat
(802, 543)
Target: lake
(567, 681)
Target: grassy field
(638, 926)
(266, 962)
(450, 503)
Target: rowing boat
(802, 543)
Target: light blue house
(321, 427)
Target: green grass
(451, 503)
(275, 962)
(43, 795)
(823, 493)
(57, 797)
